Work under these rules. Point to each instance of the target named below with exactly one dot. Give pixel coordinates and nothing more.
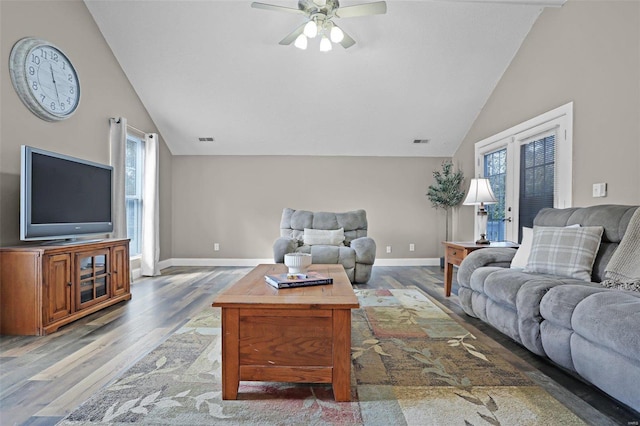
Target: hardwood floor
(44, 378)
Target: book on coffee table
(297, 280)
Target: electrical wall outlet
(216, 247)
(388, 249)
(412, 247)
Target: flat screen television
(63, 197)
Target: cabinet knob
(69, 284)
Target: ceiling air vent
(207, 139)
(421, 140)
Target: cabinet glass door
(93, 277)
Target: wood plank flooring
(42, 379)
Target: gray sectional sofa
(356, 252)
(587, 329)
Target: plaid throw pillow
(567, 252)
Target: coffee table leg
(230, 353)
(341, 379)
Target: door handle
(506, 219)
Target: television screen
(63, 196)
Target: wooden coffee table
(300, 335)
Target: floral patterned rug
(412, 365)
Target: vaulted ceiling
(211, 68)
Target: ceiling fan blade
(347, 41)
(275, 8)
(375, 8)
(293, 35)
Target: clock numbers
(44, 79)
(49, 78)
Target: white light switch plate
(599, 189)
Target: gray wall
(106, 92)
(587, 52)
(238, 201)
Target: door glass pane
(495, 169)
(86, 291)
(537, 179)
(101, 286)
(86, 268)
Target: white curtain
(118, 148)
(150, 208)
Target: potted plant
(445, 193)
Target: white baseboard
(218, 262)
(408, 262)
(253, 262)
(136, 273)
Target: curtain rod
(137, 130)
(131, 127)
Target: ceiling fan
(320, 15)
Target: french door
(529, 167)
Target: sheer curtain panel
(117, 143)
(150, 208)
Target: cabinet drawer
(455, 255)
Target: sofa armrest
(490, 256)
(365, 249)
(282, 246)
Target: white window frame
(133, 133)
(558, 121)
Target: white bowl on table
(297, 262)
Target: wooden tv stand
(44, 287)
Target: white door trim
(558, 120)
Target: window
(495, 169)
(523, 165)
(134, 168)
(537, 178)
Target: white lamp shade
(311, 29)
(325, 44)
(336, 34)
(301, 42)
(480, 193)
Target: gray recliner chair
(356, 253)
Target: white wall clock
(44, 79)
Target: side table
(456, 251)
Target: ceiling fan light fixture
(325, 44)
(311, 29)
(336, 34)
(301, 42)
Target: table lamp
(479, 194)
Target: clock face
(45, 79)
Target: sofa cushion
(558, 304)
(610, 318)
(333, 237)
(607, 369)
(614, 219)
(568, 252)
(503, 285)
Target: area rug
(412, 365)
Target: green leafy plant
(446, 193)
